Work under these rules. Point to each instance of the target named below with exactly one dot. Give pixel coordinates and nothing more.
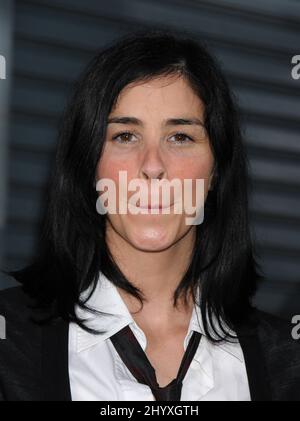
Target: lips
(149, 207)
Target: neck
(157, 275)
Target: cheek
(193, 168)
(197, 162)
(109, 167)
(197, 168)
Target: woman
(113, 299)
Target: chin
(151, 239)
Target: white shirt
(97, 373)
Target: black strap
(136, 360)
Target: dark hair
(72, 247)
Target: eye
(126, 137)
(123, 137)
(182, 138)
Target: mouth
(149, 207)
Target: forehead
(159, 96)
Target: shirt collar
(106, 298)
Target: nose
(153, 174)
(152, 166)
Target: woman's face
(148, 147)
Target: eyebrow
(167, 122)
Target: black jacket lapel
(55, 361)
(255, 364)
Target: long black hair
(72, 247)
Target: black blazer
(34, 359)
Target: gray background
(254, 40)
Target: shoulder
(18, 313)
(11, 297)
(33, 355)
(281, 351)
(276, 330)
(20, 346)
(17, 308)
